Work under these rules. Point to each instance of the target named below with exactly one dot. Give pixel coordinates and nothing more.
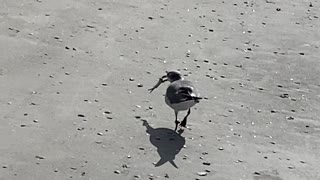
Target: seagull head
(173, 75)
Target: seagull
(181, 95)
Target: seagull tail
(197, 99)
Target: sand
(74, 79)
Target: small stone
(141, 148)
(131, 79)
(273, 111)
(107, 112)
(293, 99)
(100, 133)
(284, 95)
(80, 129)
(104, 84)
(4, 166)
(140, 85)
(206, 163)
(220, 148)
(116, 172)
(39, 157)
(291, 167)
(137, 176)
(278, 9)
(137, 117)
(202, 173)
(166, 176)
(257, 173)
(290, 118)
(301, 54)
(81, 115)
(23, 125)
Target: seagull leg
(176, 121)
(184, 122)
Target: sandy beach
(75, 74)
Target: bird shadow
(167, 141)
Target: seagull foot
(183, 124)
(180, 131)
(177, 123)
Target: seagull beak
(164, 78)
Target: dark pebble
(290, 118)
(39, 157)
(108, 112)
(257, 173)
(284, 95)
(206, 163)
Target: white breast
(182, 106)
